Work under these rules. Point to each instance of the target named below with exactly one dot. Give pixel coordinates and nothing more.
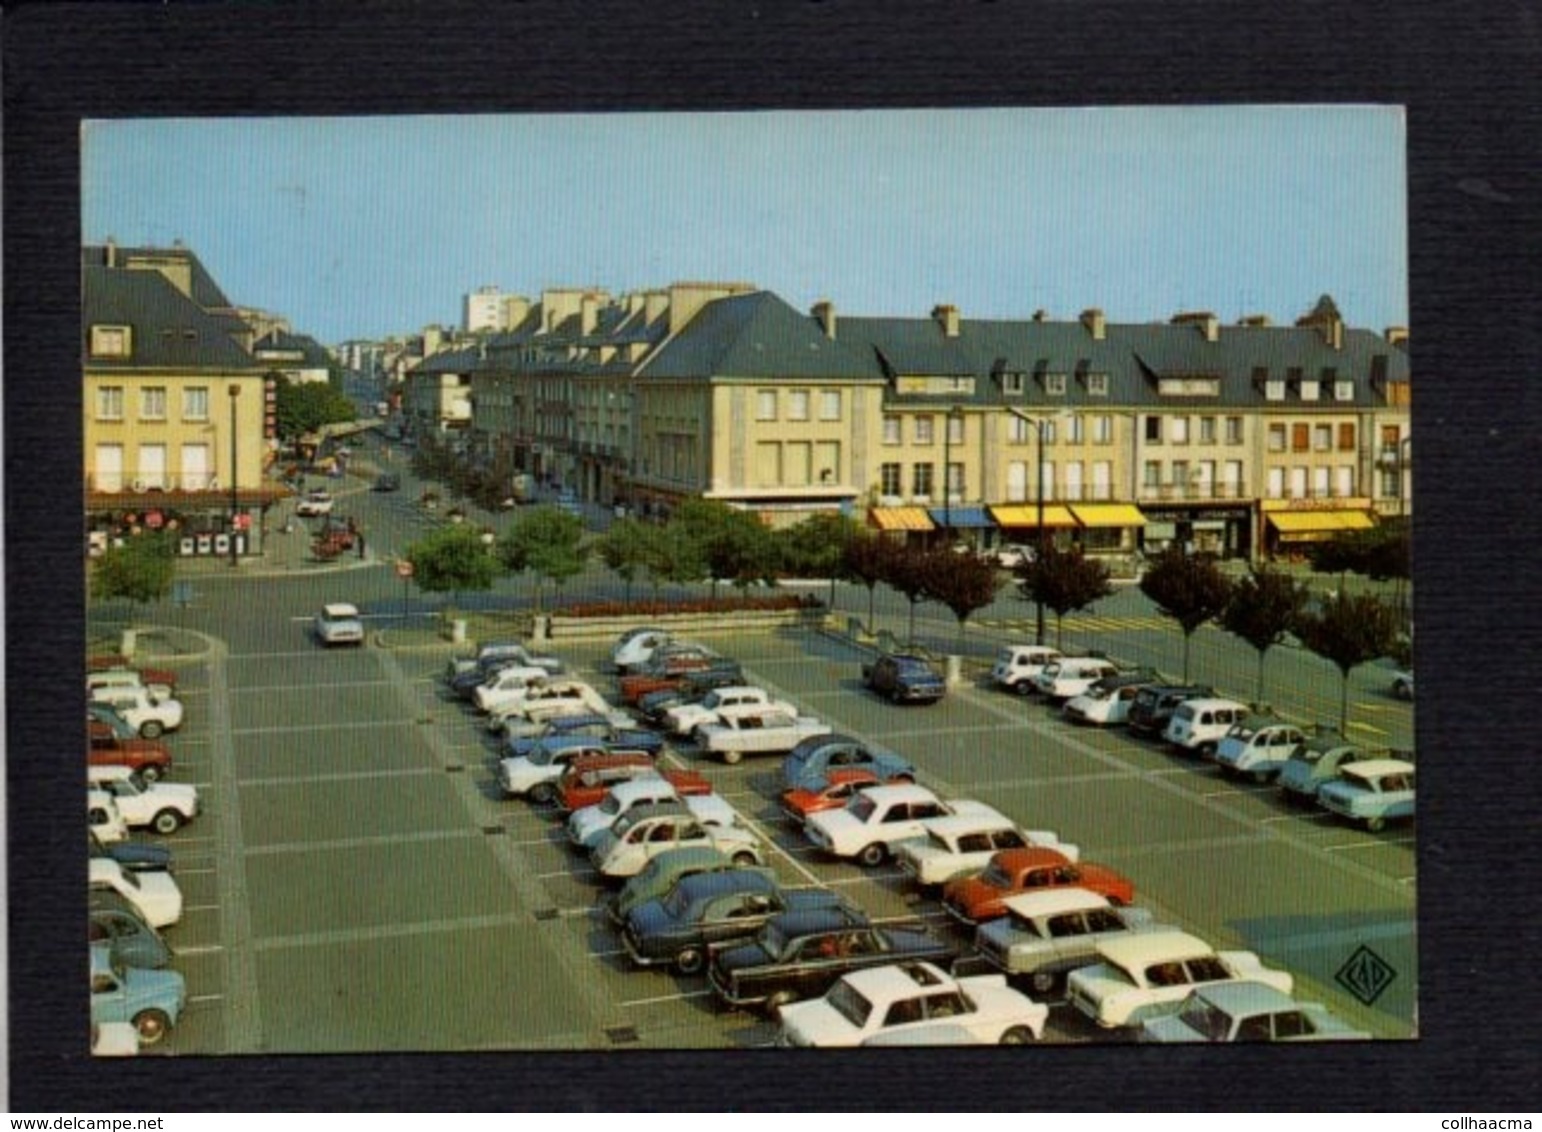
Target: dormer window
(1274, 389)
(1054, 384)
(1012, 382)
(1344, 390)
(110, 341)
(1311, 389)
(1097, 385)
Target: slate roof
(758, 334)
(169, 330)
(206, 292)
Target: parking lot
(356, 881)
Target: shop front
(904, 522)
(200, 524)
(1290, 524)
(1224, 530)
(1019, 523)
(968, 525)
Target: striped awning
(1027, 515)
(961, 517)
(1323, 524)
(900, 519)
(1108, 515)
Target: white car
(1018, 666)
(339, 623)
(543, 700)
(1051, 932)
(104, 818)
(892, 1005)
(625, 850)
(163, 806)
(682, 719)
(874, 822)
(155, 896)
(143, 710)
(757, 731)
(636, 646)
(1107, 702)
(496, 651)
(965, 843)
(126, 678)
(536, 773)
(507, 687)
(1198, 726)
(586, 825)
(1148, 974)
(1258, 747)
(314, 504)
(1072, 675)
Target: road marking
(1370, 844)
(340, 776)
(681, 996)
(202, 949)
(1305, 815)
(198, 999)
(338, 726)
(195, 872)
(390, 931)
(1239, 791)
(1356, 725)
(391, 839)
(266, 689)
(201, 908)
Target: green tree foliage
(816, 547)
(452, 559)
(1348, 630)
(546, 541)
(304, 406)
(1188, 588)
(1380, 553)
(1262, 610)
(625, 549)
(141, 570)
(733, 543)
(866, 558)
(1064, 581)
(962, 581)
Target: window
(796, 457)
(1012, 382)
(152, 465)
(889, 479)
(1231, 479)
(1320, 482)
(1018, 430)
(955, 474)
(1233, 430)
(1152, 475)
(768, 464)
(1274, 390)
(921, 480)
(1344, 390)
(797, 405)
(891, 429)
(830, 405)
(1181, 477)
(1054, 384)
(765, 405)
(1074, 428)
(1097, 385)
(1344, 487)
(1207, 430)
(195, 403)
(1346, 436)
(1154, 430)
(1047, 428)
(1017, 481)
(1073, 479)
(152, 403)
(109, 403)
(1276, 438)
(1276, 488)
(1322, 438)
(196, 468)
(110, 341)
(955, 428)
(108, 475)
(1179, 432)
(1311, 389)
(1102, 479)
(1300, 437)
(1204, 479)
(1298, 483)
(1047, 470)
(1103, 429)
(923, 430)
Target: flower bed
(609, 619)
(644, 609)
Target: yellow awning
(1108, 515)
(1027, 515)
(1322, 523)
(901, 519)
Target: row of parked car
(1320, 765)
(697, 896)
(132, 894)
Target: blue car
(595, 727)
(809, 761)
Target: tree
(907, 570)
(450, 560)
(1348, 630)
(1063, 580)
(547, 542)
(866, 558)
(140, 570)
(1262, 609)
(304, 406)
(964, 582)
(1188, 588)
(816, 547)
(625, 549)
(734, 543)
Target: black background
(1468, 76)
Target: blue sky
(364, 227)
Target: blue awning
(961, 517)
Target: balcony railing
(1192, 491)
(137, 482)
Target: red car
(669, 672)
(146, 675)
(107, 747)
(829, 793)
(588, 780)
(974, 899)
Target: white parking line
(1238, 791)
(201, 908)
(1316, 815)
(386, 840)
(263, 689)
(333, 726)
(203, 949)
(341, 776)
(195, 872)
(1370, 844)
(196, 999)
(665, 998)
(391, 931)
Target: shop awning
(1307, 525)
(1027, 515)
(965, 517)
(1108, 515)
(900, 518)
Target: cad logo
(1366, 975)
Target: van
(1198, 726)
(1017, 665)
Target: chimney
(112, 252)
(1208, 324)
(1092, 318)
(1040, 315)
(1397, 335)
(824, 312)
(946, 315)
(1254, 320)
(516, 308)
(588, 313)
(654, 305)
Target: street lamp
(953, 414)
(1038, 430)
(235, 392)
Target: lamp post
(1038, 431)
(235, 393)
(953, 414)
